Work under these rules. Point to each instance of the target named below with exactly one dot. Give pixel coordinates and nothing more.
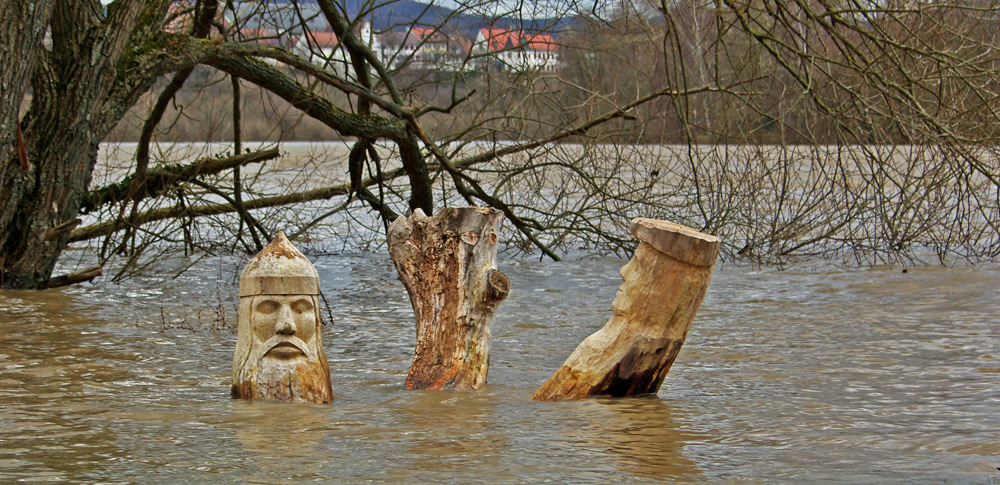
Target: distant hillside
(400, 14)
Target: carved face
(284, 326)
(630, 287)
(279, 352)
(648, 286)
(640, 292)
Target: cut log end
(499, 285)
(679, 242)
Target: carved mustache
(259, 352)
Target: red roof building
(518, 50)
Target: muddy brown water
(808, 374)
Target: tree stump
(663, 286)
(279, 349)
(448, 265)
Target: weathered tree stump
(448, 265)
(279, 349)
(663, 286)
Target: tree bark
(448, 265)
(663, 286)
(22, 27)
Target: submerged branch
(81, 276)
(157, 180)
(105, 228)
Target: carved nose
(287, 326)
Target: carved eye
(302, 306)
(268, 306)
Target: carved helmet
(279, 269)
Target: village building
(515, 50)
(324, 49)
(430, 49)
(426, 49)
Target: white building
(428, 49)
(514, 50)
(325, 50)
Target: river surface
(812, 373)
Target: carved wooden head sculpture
(279, 350)
(662, 287)
(644, 277)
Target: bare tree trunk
(448, 265)
(22, 26)
(663, 286)
(50, 197)
(78, 94)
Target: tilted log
(279, 349)
(663, 286)
(448, 265)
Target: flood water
(812, 373)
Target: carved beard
(295, 380)
(305, 378)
